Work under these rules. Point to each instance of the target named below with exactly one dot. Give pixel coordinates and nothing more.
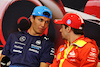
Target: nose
(43, 24)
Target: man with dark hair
(78, 51)
(28, 48)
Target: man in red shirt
(78, 51)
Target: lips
(41, 29)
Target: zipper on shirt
(66, 52)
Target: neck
(32, 32)
(73, 37)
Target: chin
(39, 32)
(63, 38)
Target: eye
(47, 21)
(41, 20)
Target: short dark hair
(77, 31)
(34, 16)
(65, 26)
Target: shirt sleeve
(55, 61)
(90, 57)
(6, 49)
(48, 53)
(54, 64)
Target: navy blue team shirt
(26, 50)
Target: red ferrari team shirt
(83, 52)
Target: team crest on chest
(38, 42)
(61, 49)
(71, 54)
(22, 38)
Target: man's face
(63, 31)
(39, 24)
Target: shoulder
(19, 33)
(15, 35)
(91, 45)
(46, 40)
(90, 42)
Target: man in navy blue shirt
(28, 48)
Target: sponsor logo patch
(22, 38)
(92, 55)
(52, 51)
(38, 42)
(35, 47)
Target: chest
(71, 53)
(26, 46)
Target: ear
(31, 18)
(68, 28)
